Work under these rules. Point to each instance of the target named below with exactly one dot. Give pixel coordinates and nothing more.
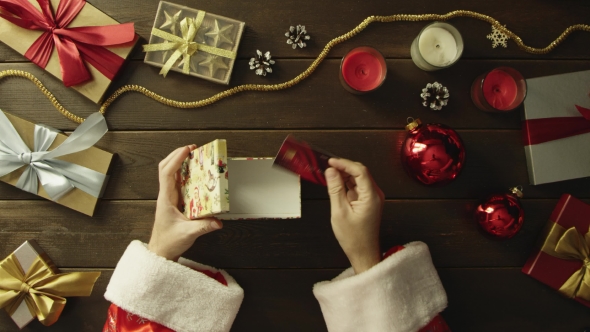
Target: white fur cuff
(400, 294)
(173, 294)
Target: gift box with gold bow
(193, 42)
(71, 39)
(68, 170)
(32, 287)
(562, 257)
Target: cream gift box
(237, 188)
(549, 109)
(21, 39)
(214, 43)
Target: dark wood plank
(447, 226)
(282, 300)
(538, 23)
(319, 102)
(495, 161)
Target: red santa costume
(402, 293)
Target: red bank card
(301, 158)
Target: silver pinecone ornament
(296, 36)
(261, 63)
(435, 96)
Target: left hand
(173, 233)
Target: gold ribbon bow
(41, 289)
(185, 46)
(571, 245)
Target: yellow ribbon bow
(571, 245)
(41, 289)
(185, 46)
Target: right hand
(356, 204)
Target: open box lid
(257, 190)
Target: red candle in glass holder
(499, 89)
(363, 69)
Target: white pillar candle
(437, 46)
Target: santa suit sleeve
(175, 295)
(402, 293)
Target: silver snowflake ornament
(296, 36)
(498, 38)
(261, 63)
(435, 96)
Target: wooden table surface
(278, 261)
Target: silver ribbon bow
(57, 177)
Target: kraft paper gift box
(21, 39)
(562, 252)
(207, 51)
(237, 188)
(93, 158)
(26, 257)
(555, 133)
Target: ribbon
(57, 177)
(74, 45)
(571, 245)
(537, 131)
(185, 46)
(43, 291)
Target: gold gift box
(92, 158)
(21, 39)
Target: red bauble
(501, 215)
(433, 153)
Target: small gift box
(193, 42)
(556, 127)
(80, 45)
(69, 169)
(561, 259)
(32, 287)
(258, 190)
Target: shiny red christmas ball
(501, 215)
(433, 153)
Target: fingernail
(215, 225)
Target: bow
(185, 46)
(57, 177)
(74, 45)
(41, 289)
(571, 245)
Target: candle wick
(437, 46)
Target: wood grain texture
(538, 23)
(318, 102)
(446, 225)
(282, 300)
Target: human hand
(356, 204)
(173, 233)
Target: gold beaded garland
(305, 73)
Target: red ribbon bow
(537, 131)
(74, 45)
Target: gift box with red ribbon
(561, 259)
(71, 39)
(556, 127)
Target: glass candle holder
(439, 45)
(363, 69)
(502, 89)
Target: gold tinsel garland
(304, 74)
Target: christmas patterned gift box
(257, 190)
(562, 258)
(32, 287)
(556, 127)
(68, 170)
(193, 42)
(71, 39)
